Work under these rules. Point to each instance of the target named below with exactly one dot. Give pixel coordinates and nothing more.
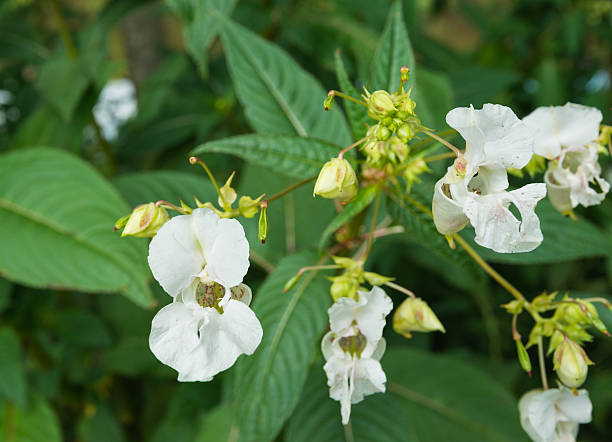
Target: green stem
(401, 289)
(355, 144)
(542, 362)
(291, 188)
(348, 97)
(441, 156)
(372, 226)
(442, 140)
(196, 160)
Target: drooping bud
(571, 363)
(415, 315)
(292, 282)
(249, 207)
(144, 222)
(228, 193)
(337, 179)
(523, 356)
(262, 233)
(329, 100)
(380, 105)
(376, 279)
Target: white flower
(116, 105)
(200, 261)
(566, 135)
(554, 415)
(354, 347)
(474, 188)
(558, 127)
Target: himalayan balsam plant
(201, 256)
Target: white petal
(376, 350)
(242, 293)
(575, 408)
(369, 379)
(226, 253)
(447, 213)
(327, 345)
(337, 371)
(558, 193)
(371, 317)
(463, 119)
(175, 255)
(538, 415)
(490, 179)
(495, 225)
(174, 335)
(342, 313)
(554, 127)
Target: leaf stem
(401, 289)
(442, 140)
(291, 188)
(346, 149)
(542, 362)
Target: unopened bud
(329, 101)
(337, 179)
(523, 356)
(144, 222)
(398, 150)
(262, 232)
(227, 192)
(376, 279)
(343, 286)
(406, 132)
(292, 282)
(381, 133)
(380, 105)
(415, 315)
(404, 73)
(405, 105)
(571, 363)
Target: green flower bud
(405, 105)
(145, 221)
(523, 356)
(329, 101)
(415, 315)
(262, 233)
(337, 179)
(555, 340)
(376, 279)
(571, 363)
(292, 282)
(380, 132)
(398, 150)
(380, 105)
(343, 286)
(416, 168)
(406, 132)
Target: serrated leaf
(363, 199)
(357, 114)
(278, 96)
(12, 376)
(37, 423)
(200, 26)
(443, 395)
(379, 418)
(143, 187)
(57, 217)
(564, 240)
(394, 51)
(268, 383)
(288, 155)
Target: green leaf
(362, 200)
(278, 96)
(12, 376)
(394, 51)
(37, 423)
(443, 395)
(102, 426)
(288, 155)
(357, 114)
(478, 84)
(217, 425)
(5, 293)
(143, 187)
(268, 383)
(433, 95)
(200, 26)
(379, 418)
(63, 82)
(564, 240)
(57, 217)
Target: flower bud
(343, 286)
(398, 150)
(249, 207)
(415, 315)
(381, 132)
(571, 363)
(329, 101)
(145, 221)
(380, 104)
(405, 105)
(337, 179)
(262, 233)
(376, 279)
(523, 356)
(406, 132)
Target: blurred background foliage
(77, 366)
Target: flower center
(353, 345)
(208, 294)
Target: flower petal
(175, 256)
(226, 253)
(369, 379)
(575, 408)
(463, 119)
(554, 127)
(447, 213)
(337, 370)
(371, 317)
(538, 415)
(495, 225)
(342, 313)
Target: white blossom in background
(353, 348)
(554, 415)
(474, 189)
(566, 135)
(200, 260)
(116, 105)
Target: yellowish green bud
(571, 363)
(381, 133)
(405, 105)
(329, 101)
(145, 221)
(556, 339)
(416, 168)
(380, 105)
(406, 132)
(414, 315)
(376, 279)
(228, 193)
(337, 179)
(347, 263)
(343, 286)
(262, 233)
(292, 282)
(249, 207)
(514, 307)
(121, 222)
(523, 356)
(398, 150)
